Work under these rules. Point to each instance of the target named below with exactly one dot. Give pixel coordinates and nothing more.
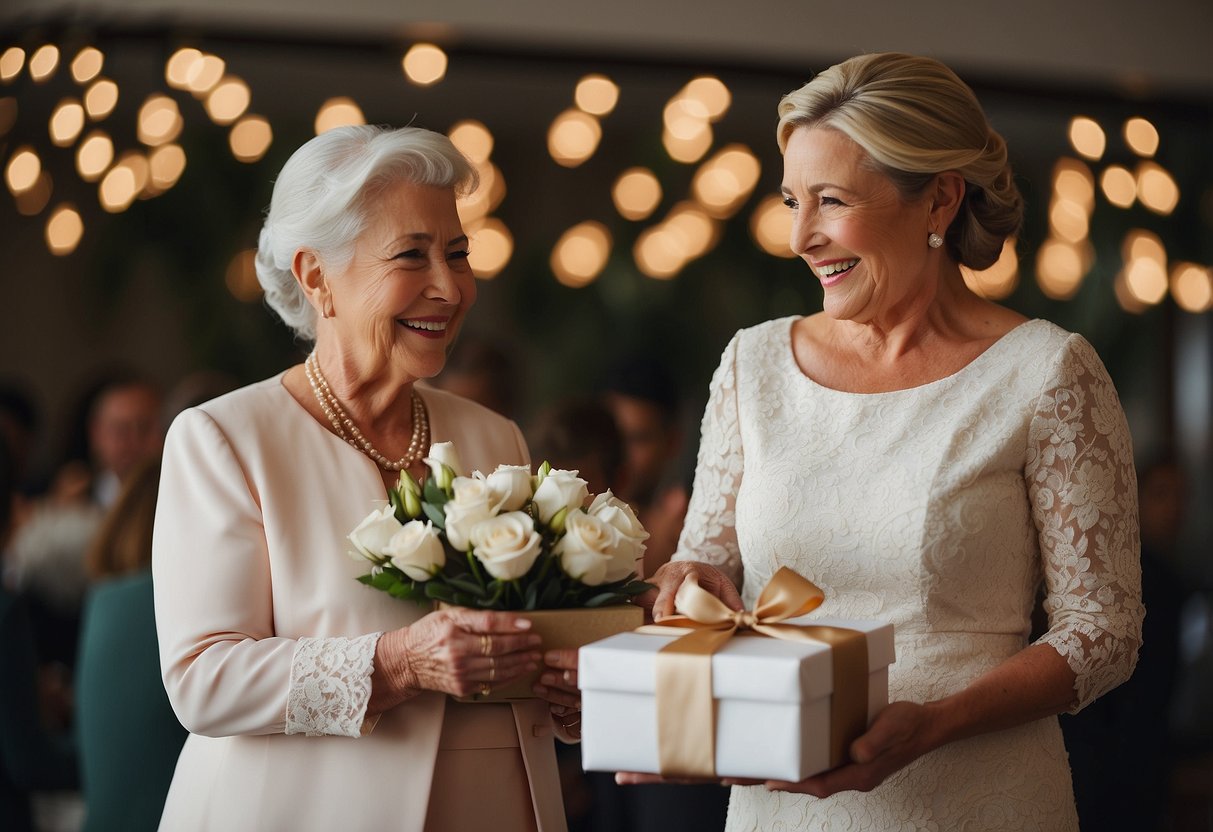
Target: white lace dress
(939, 508)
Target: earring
(934, 240)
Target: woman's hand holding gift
(660, 601)
(558, 685)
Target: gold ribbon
(686, 710)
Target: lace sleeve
(330, 686)
(1083, 491)
(709, 534)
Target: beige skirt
(480, 780)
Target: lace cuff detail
(330, 686)
(1083, 491)
(709, 534)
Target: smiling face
(865, 242)
(398, 304)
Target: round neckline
(281, 385)
(980, 359)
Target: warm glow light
(1074, 182)
(338, 112)
(159, 120)
(581, 254)
(64, 230)
(1156, 188)
(1146, 280)
(177, 68)
(87, 64)
(23, 169)
(771, 226)
(596, 95)
(203, 74)
(424, 64)
(139, 165)
(11, 63)
(726, 180)
(685, 118)
(166, 164)
(100, 99)
(1142, 244)
(491, 248)
(1068, 220)
(485, 199)
(1060, 268)
(1124, 297)
(711, 93)
(657, 254)
(687, 151)
(44, 62)
(1087, 137)
(691, 228)
(1000, 279)
(118, 189)
(66, 122)
(250, 138)
(8, 113)
(241, 277)
(1192, 287)
(1118, 186)
(30, 203)
(573, 137)
(636, 193)
(228, 100)
(94, 155)
(1141, 136)
(472, 139)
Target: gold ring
(485, 689)
(568, 677)
(493, 672)
(486, 645)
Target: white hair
(324, 193)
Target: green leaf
(467, 585)
(433, 494)
(383, 580)
(531, 597)
(439, 592)
(605, 599)
(636, 588)
(436, 515)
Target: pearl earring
(934, 240)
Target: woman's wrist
(393, 679)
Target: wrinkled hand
(558, 685)
(457, 651)
(900, 734)
(660, 601)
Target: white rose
(371, 536)
(507, 545)
(559, 490)
(416, 550)
(590, 549)
(472, 503)
(443, 454)
(511, 484)
(619, 515)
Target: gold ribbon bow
(686, 710)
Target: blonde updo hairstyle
(325, 192)
(915, 118)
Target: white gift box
(772, 701)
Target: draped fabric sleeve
(1083, 492)
(709, 534)
(225, 669)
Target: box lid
(747, 667)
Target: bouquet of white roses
(506, 541)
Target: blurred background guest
(643, 396)
(482, 370)
(129, 737)
(31, 757)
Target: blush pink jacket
(266, 638)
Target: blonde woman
(926, 457)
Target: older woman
(926, 457)
(312, 702)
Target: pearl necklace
(347, 430)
